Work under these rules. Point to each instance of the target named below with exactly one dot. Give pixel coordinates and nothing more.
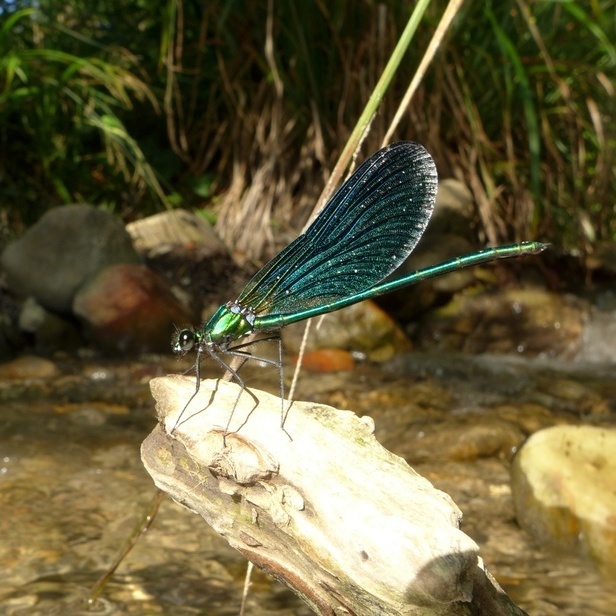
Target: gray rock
(66, 247)
(49, 331)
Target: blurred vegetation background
(241, 109)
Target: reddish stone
(128, 308)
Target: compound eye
(185, 341)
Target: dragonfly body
(366, 230)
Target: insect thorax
(230, 322)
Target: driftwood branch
(347, 525)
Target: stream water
(72, 486)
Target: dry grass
(534, 150)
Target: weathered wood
(346, 524)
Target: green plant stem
(360, 131)
(361, 128)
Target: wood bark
(321, 505)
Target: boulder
(66, 247)
(563, 482)
(128, 308)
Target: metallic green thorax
(227, 324)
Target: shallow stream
(72, 486)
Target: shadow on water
(72, 485)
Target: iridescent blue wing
(370, 225)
